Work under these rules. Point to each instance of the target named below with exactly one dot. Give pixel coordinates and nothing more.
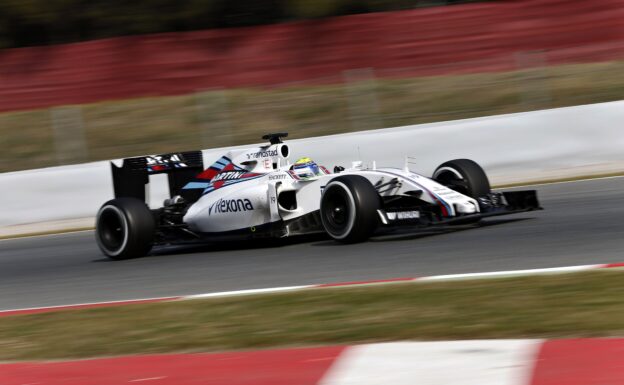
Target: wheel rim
(112, 230)
(337, 211)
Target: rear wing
(131, 178)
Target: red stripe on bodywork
(208, 174)
(580, 362)
(444, 210)
(271, 367)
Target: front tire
(125, 228)
(464, 176)
(348, 209)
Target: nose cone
(467, 207)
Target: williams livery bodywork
(259, 193)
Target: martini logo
(230, 206)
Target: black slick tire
(464, 176)
(349, 207)
(125, 228)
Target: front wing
(494, 204)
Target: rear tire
(348, 209)
(464, 176)
(125, 228)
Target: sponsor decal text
(230, 206)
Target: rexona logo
(230, 206)
(228, 175)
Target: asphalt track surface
(583, 223)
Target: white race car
(259, 193)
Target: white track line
(94, 304)
(17, 237)
(247, 292)
(556, 182)
(511, 273)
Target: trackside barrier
(514, 148)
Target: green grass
(587, 304)
(210, 119)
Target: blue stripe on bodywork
(192, 185)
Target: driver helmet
(306, 168)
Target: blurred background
(84, 80)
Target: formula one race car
(258, 193)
